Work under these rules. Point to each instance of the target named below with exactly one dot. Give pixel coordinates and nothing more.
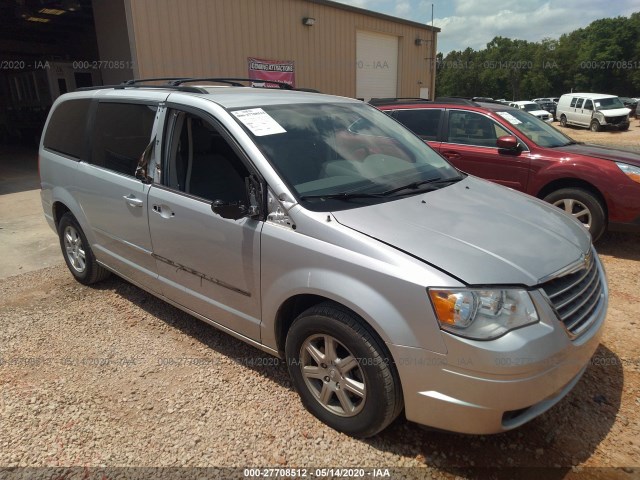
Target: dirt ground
(628, 139)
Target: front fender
(396, 308)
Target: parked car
(631, 104)
(534, 109)
(546, 104)
(600, 186)
(323, 232)
(595, 111)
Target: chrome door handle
(133, 201)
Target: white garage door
(376, 65)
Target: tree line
(603, 57)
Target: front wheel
(583, 205)
(77, 252)
(563, 120)
(341, 371)
(595, 126)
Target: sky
(473, 23)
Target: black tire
(77, 253)
(595, 126)
(563, 120)
(381, 399)
(581, 198)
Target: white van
(593, 110)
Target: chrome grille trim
(576, 296)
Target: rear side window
(579, 104)
(67, 128)
(573, 102)
(121, 133)
(423, 122)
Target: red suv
(599, 186)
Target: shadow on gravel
(551, 444)
(619, 245)
(262, 363)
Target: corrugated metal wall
(215, 37)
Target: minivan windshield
(539, 132)
(336, 156)
(608, 103)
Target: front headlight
(630, 171)
(482, 314)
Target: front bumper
(495, 386)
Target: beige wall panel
(215, 37)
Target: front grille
(576, 296)
(616, 120)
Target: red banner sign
(275, 70)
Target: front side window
(121, 133)
(201, 162)
(329, 154)
(471, 128)
(588, 105)
(423, 122)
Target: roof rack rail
(458, 100)
(231, 81)
(124, 86)
(392, 100)
(134, 81)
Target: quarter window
(423, 122)
(121, 133)
(67, 127)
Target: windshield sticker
(597, 104)
(509, 118)
(259, 122)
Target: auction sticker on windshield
(259, 122)
(509, 118)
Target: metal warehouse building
(49, 47)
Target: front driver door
(471, 146)
(206, 263)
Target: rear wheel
(583, 206)
(77, 252)
(595, 126)
(563, 120)
(341, 371)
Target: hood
(616, 112)
(604, 153)
(539, 112)
(476, 231)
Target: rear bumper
(492, 387)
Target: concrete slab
(27, 243)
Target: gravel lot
(111, 376)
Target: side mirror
(508, 142)
(232, 211)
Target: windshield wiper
(410, 186)
(342, 195)
(417, 185)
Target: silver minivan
(323, 232)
